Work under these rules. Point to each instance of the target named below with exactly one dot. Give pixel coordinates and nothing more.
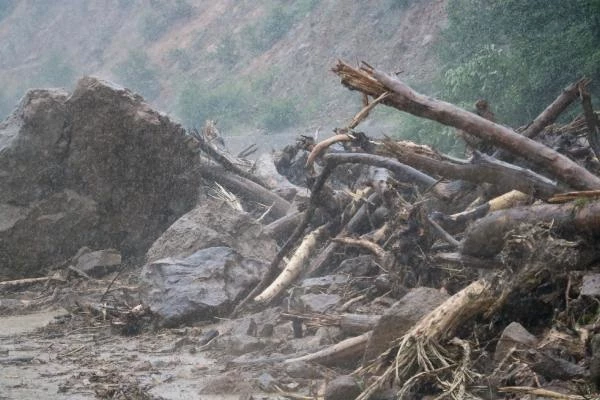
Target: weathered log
(374, 83)
(466, 261)
(550, 113)
(245, 188)
(285, 225)
(485, 237)
(355, 221)
(346, 351)
(401, 171)
(294, 267)
(224, 160)
(482, 168)
(272, 272)
(457, 222)
(422, 339)
(349, 323)
(591, 121)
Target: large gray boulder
(129, 169)
(201, 286)
(211, 224)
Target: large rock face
(97, 168)
(199, 287)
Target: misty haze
(302, 199)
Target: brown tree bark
(374, 83)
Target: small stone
(302, 370)
(342, 388)
(266, 330)
(99, 263)
(591, 285)
(266, 381)
(514, 335)
(319, 302)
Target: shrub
(279, 114)
(162, 16)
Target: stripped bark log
(373, 82)
(272, 272)
(422, 339)
(355, 221)
(348, 350)
(294, 267)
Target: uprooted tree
(512, 217)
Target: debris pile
(372, 268)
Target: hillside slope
(259, 65)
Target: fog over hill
(259, 66)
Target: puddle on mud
(19, 324)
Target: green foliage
(229, 103)
(419, 130)
(401, 4)
(161, 16)
(227, 51)
(268, 31)
(518, 54)
(279, 114)
(181, 58)
(138, 73)
(277, 22)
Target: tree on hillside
(518, 54)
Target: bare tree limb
(374, 83)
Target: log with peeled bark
(486, 236)
(374, 83)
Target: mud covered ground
(55, 345)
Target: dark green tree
(518, 54)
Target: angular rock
(303, 370)
(363, 265)
(342, 388)
(213, 224)
(590, 285)
(98, 263)
(514, 335)
(104, 146)
(323, 282)
(46, 232)
(199, 287)
(319, 302)
(400, 317)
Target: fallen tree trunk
(348, 350)
(550, 113)
(245, 188)
(485, 238)
(482, 168)
(374, 83)
(401, 171)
